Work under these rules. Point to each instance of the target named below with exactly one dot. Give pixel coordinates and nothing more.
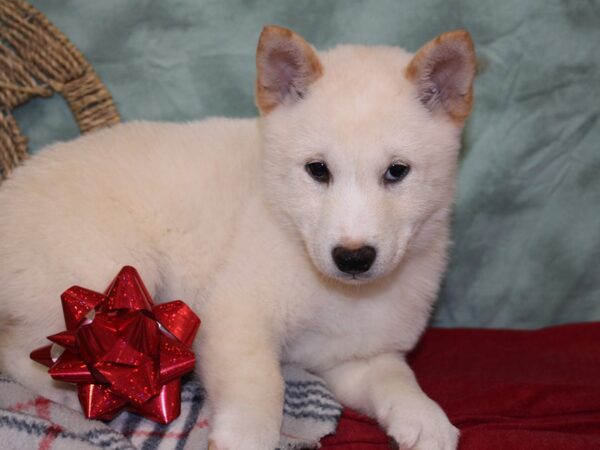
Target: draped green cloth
(527, 219)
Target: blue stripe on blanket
(312, 415)
(130, 424)
(308, 392)
(155, 438)
(192, 417)
(316, 403)
(305, 384)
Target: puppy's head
(361, 144)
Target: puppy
(315, 235)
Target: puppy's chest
(344, 330)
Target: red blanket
(504, 389)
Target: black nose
(354, 261)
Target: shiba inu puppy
(315, 235)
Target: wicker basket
(36, 59)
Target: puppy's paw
(244, 431)
(420, 424)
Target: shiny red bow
(123, 351)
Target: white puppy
(315, 235)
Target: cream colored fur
(222, 213)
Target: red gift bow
(122, 350)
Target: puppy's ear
(443, 72)
(286, 65)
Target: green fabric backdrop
(527, 222)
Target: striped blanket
(28, 421)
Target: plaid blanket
(28, 421)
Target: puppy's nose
(354, 261)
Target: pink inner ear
(449, 72)
(286, 66)
(447, 78)
(443, 72)
(283, 72)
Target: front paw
(420, 424)
(245, 430)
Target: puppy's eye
(319, 171)
(396, 172)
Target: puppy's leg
(240, 368)
(243, 323)
(384, 387)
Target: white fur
(221, 213)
